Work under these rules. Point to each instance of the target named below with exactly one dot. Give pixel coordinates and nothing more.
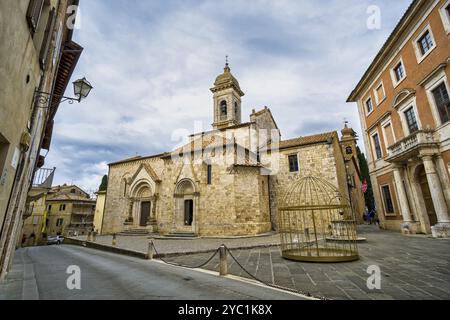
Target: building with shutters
(37, 54)
(404, 107)
(61, 210)
(228, 181)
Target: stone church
(228, 181)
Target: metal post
(114, 241)
(94, 236)
(223, 261)
(150, 250)
(89, 237)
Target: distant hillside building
(226, 182)
(62, 210)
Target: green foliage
(370, 200)
(104, 184)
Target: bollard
(114, 241)
(89, 237)
(150, 250)
(94, 236)
(223, 261)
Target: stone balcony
(411, 146)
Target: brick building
(404, 107)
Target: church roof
(227, 80)
(302, 141)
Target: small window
(411, 120)
(72, 191)
(377, 145)
(380, 94)
(369, 106)
(447, 10)
(209, 174)
(223, 108)
(236, 108)
(49, 208)
(388, 134)
(442, 100)
(399, 72)
(387, 198)
(62, 207)
(35, 221)
(425, 42)
(293, 163)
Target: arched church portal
(143, 204)
(185, 207)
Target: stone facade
(226, 182)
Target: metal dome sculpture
(316, 223)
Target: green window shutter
(47, 41)
(34, 14)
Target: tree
(104, 184)
(365, 176)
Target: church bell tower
(227, 100)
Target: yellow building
(63, 210)
(99, 210)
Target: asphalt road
(41, 273)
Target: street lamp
(81, 88)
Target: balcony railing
(43, 178)
(83, 213)
(410, 144)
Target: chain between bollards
(150, 250)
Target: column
(436, 190)
(401, 192)
(130, 211)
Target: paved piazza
(413, 267)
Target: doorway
(188, 212)
(145, 213)
(426, 193)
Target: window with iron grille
(377, 145)
(425, 43)
(293, 163)
(387, 198)
(411, 120)
(442, 100)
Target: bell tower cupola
(227, 100)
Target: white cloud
(152, 64)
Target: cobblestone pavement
(413, 267)
(168, 246)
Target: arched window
(223, 108)
(236, 109)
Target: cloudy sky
(152, 64)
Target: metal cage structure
(317, 223)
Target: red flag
(364, 186)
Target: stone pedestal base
(441, 230)
(410, 228)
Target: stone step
(182, 235)
(135, 232)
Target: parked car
(55, 240)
